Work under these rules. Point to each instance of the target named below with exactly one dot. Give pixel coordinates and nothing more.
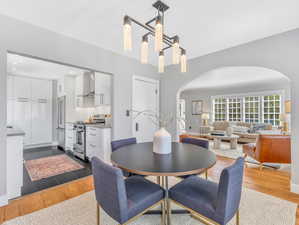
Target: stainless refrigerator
(61, 122)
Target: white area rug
(255, 209)
(226, 151)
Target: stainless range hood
(85, 83)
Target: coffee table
(233, 139)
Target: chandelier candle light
(161, 40)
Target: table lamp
(205, 117)
(284, 122)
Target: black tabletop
(185, 159)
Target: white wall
(279, 52)
(17, 36)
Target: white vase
(162, 142)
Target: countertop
(14, 132)
(98, 125)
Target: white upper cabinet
(102, 89)
(79, 86)
(22, 88)
(60, 87)
(40, 89)
(10, 87)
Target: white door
(145, 97)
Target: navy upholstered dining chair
(199, 142)
(115, 145)
(196, 141)
(209, 201)
(123, 199)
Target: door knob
(136, 126)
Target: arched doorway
(238, 96)
(233, 81)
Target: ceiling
(30, 67)
(203, 26)
(235, 77)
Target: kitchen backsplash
(85, 113)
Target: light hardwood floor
(269, 181)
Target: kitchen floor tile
(36, 153)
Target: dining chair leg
(238, 218)
(162, 180)
(206, 174)
(98, 215)
(163, 213)
(159, 180)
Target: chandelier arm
(151, 31)
(169, 46)
(150, 21)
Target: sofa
(248, 132)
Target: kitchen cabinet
(79, 85)
(30, 108)
(22, 87)
(22, 117)
(98, 142)
(14, 166)
(10, 110)
(102, 89)
(10, 87)
(60, 87)
(69, 136)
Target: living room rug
(50, 166)
(256, 209)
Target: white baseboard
(295, 188)
(3, 200)
(50, 144)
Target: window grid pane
(234, 109)
(272, 109)
(252, 109)
(220, 109)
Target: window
(220, 109)
(272, 109)
(252, 109)
(234, 109)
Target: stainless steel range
(80, 141)
(80, 135)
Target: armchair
(270, 149)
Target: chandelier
(161, 40)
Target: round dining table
(184, 159)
